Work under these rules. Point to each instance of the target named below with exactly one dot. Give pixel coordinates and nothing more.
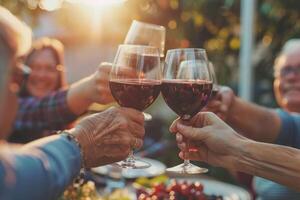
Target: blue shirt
(39, 170)
(289, 136)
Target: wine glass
(186, 88)
(141, 33)
(135, 82)
(215, 88)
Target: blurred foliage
(215, 26)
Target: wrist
(87, 91)
(242, 154)
(233, 109)
(69, 134)
(79, 96)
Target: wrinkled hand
(216, 143)
(109, 136)
(221, 103)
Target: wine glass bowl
(141, 33)
(135, 82)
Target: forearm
(253, 121)
(278, 163)
(41, 169)
(78, 96)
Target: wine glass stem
(186, 163)
(130, 159)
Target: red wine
(134, 93)
(186, 97)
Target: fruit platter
(161, 188)
(176, 190)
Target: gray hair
(15, 40)
(290, 47)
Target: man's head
(287, 76)
(15, 40)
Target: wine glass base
(187, 169)
(133, 164)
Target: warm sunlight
(97, 3)
(95, 11)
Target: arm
(42, 169)
(247, 118)
(219, 145)
(58, 109)
(274, 162)
(252, 121)
(39, 170)
(93, 89)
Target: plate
(157, 168)
(213, 187)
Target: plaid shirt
(35, 116)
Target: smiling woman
(46, 60)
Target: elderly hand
(221, 103)
(109, 136)
(216, 143)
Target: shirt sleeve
(289, 134)
(39, 170)
(49, 113)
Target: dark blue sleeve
(39, 170)
(289, 134)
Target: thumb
(191, 132)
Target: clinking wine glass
(141, 33)
(135, 82)
(186, 88)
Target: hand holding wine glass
(135, 82)
(186, 88)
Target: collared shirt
(289, 136)
(39, 170)
(35, 116)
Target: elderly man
(42, 169)
(280, 126)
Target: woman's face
(44, 76)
